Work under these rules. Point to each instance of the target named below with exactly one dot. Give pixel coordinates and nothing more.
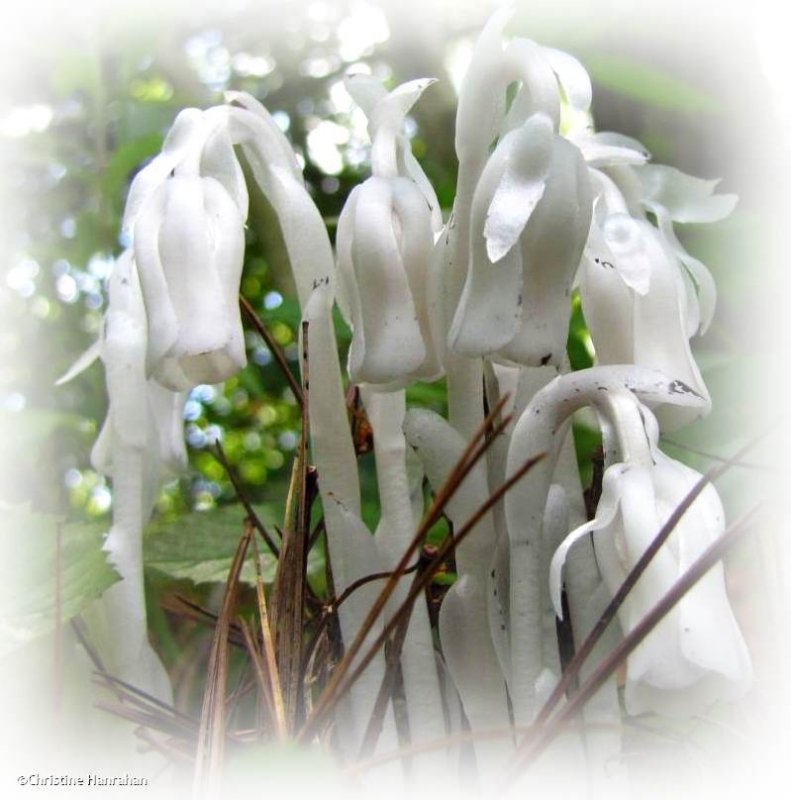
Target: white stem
(394, 533)
(119, 622)
(463, 620)
(587, 597)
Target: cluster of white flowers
(544, 206)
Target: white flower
(141, 441)
(385, 244)
(189, 247)
(530, 218)
(541, 429)
(696, 655)
(635, 299)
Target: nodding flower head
(185, 213)
(529, 222)
(385, 246)
(188, 245)
(634, 297)
(696, 654)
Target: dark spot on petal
(679, 387)
(546, 359)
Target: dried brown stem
(211, 733)
(274, 348)
(244, 500)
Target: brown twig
(268, 645)
(243, 499)
(274, 348)
(183, 607)
(290, 586)
(211, 732)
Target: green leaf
(647, 84)
(30, 565)
(200, 546)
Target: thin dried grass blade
(268, 650)
(211, 732)
(176, 604)
(290, 589)
(266, 701)
(274, 348)
(244, 500)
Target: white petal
(386, 123)
(228, 252)
(607, 305)
(81, 364)
(187, 259)
(162, 322)
(624, 237)
(686, 198)
(608, 149)
(393, 346)
(552, 246)
(409, 167)
(704, 288)
(488, 313)
(521, 185)
(347, 296)
(187, 129)
(660, 335)
(219, 161)
(417, 249)
(526, 61)
(572, 77)
(605, 514)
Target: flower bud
(188, 246)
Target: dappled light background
(90, 89)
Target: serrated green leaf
(30, 565)
(200, 546)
